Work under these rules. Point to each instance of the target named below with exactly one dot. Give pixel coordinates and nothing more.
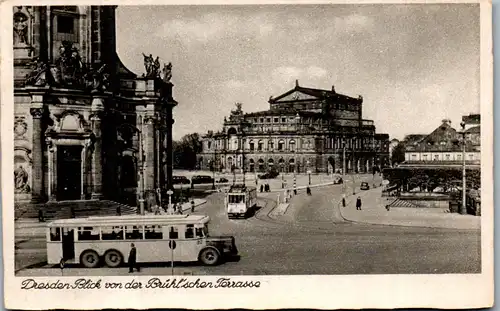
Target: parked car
(364, 186)
(180, 180)
(223, 180)
(269, 175)
(201, 179)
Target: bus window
(112, 233)
(199, 232)
(189, 234)
(133, 233)
(55, 234)
(153, 232)
(88, 234)
(173, 233)
(205, 230)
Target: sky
(414, 65)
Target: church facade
(304, 130)
(85, 127)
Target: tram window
(199, 232)
(88, 234)
(189, 234)
(236, 198)
(173, 233)
(55, 234)
(153, 232)
(133, 233)
(112, 233)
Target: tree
(186, 151)
(398, 153)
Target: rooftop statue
(167, 72)
(152, 66)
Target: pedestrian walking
(308, 191)
(119, 210)
(343, 200)
(192, 206)
(268, 188)
(261, 188)
(132, 259)
(358, 203)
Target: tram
(240, 200)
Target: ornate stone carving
(21, 180)
(38, 75)
(20, 25)
(37, 113)
(96, 79)
(68, 68)
(20, 128)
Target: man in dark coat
(358, 203)
(261, 187)
(132, 259)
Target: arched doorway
(281, 165)
(230, 163)
(270, 164)
(261, 165)
(291, 166)
(331, 165)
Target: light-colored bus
(94, 241)
(240, 200)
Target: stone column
(37, 193)
(97, 175)
(169, 148)
(148, 137)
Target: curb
(389, 225)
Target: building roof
(413, 138)
(443, 138)
(315, 93)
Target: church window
(292, 145)
(268, 120)
(283, 120)
(276, 120)
(65, 24)
(261, 120)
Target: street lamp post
(343, 166)
(463, 209)
(309, 171)
(169, 193)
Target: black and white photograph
(192, 147)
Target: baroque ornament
(20, 128)
(68, 71)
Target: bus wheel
(209, 256)
(113, 258)
(89, 259)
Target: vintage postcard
(248, 154)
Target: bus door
(191, 244)
(68, 243)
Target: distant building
(444, 147)
(305, 129)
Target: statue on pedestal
(167, 72)
(21, 180)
